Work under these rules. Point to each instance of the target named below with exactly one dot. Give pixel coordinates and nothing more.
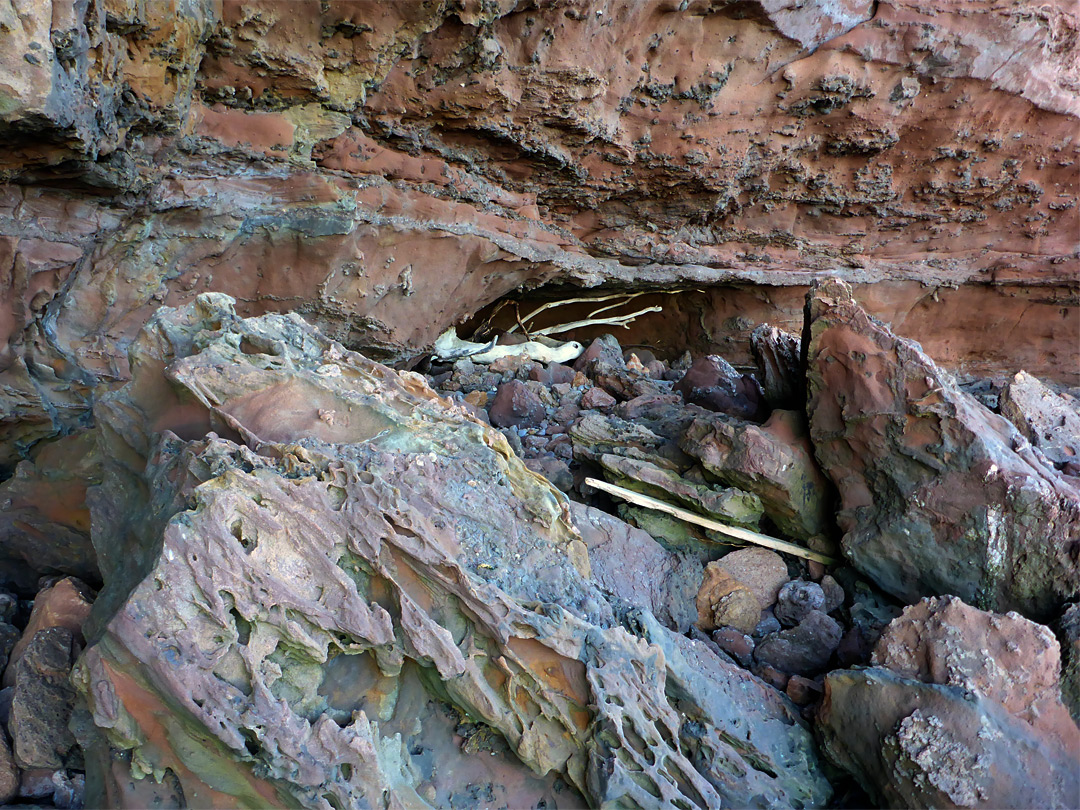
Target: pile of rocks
(40, 758)
(929, 490)
(702, 435)
(327, 582)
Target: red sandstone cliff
(388, 169)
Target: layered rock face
(251, 566)
(359, 162)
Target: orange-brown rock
(65, 604)
(364, 162)
(962, 708)
(44, 520)
(723, 601)
(1007, 658)
(939, 495)
(763, 571)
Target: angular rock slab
(939, 495)
(365, 540)
(961, 709)
(773, 461)
(915, 745)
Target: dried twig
(629, 298)
(621, 320)
(743, 534)
(517, 315)
(565, 301)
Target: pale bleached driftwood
(731, 531)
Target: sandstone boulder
(1050, 421)
(714, 384)
(351, 546)
(44, 520)
(763, 571)
(938, 494)
(66, 603)
(961, 708)
(773, 461)
(723, 601)
(727, 504)
(42, 703)
(1069, 626)
(635, 571)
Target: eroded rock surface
(359, 549)
(1050, 421)
(962, 708)
(938, 494)
(361, 163)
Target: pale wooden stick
(621, 320)
(743, 534)
(629, 298)
(565, 301)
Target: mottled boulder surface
(939, 495)
(774, 461)
(360, 556)
(962, 708)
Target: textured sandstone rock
(917, 745)
(634, 570)
(65, 604)
(1050, 421)
(1007, 658)
(723, 601)
(938, 494)
(303, 589)
(42, 703)
(773, 461)
(961, 708)
(1070, 673)
(44, 521)
(763, 571)
(361, 163)
(725, 503)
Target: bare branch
(742, 534)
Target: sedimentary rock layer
(361, 162)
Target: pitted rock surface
(339, 554)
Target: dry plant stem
(583, 300)
(517, 315)
(742, 534)
(605, 308)
(486, 325)
(622, 320)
